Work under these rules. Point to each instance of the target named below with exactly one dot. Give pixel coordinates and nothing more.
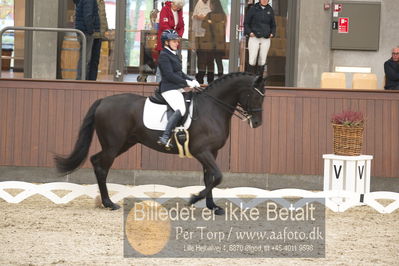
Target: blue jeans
(94, 60)
(89, 46)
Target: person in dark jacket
(259, 26)
(173, 81)
(87, 20)
(391, 68)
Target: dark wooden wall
(40, 118)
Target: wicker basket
(347, 140)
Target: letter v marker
(339, 171)
(361, 171)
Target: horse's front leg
(209, 197)
(212, 178)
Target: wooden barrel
(5, 62)
(69, 56)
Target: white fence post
(347, 173)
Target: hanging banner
(343, 25)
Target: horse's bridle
(243, 111)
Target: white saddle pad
(154, 116)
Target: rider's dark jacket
(260, 21)
(171, 71)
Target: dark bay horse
(118, 121)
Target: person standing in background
(202, 42)
(98, 39)
(391, 68)
(170, 18)
(88, 21)
(215, 31)
(260, 27)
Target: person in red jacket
(170, 18)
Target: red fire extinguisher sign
(343, 25)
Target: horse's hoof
(115, 207)
(194, 198)
(112, 206)
(218, 210)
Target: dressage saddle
(157, 98)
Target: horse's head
(251, 100)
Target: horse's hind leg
(102, 162)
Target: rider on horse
(173, 81)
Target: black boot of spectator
(260, 70)
(200, 77)
(251, 69)
(210, 76)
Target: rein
(244, 115)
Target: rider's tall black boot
(173, 120)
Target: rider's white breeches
(176, 100)
(256, 45)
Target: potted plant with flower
(348, 133)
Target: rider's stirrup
(165, 141)
(169, 145)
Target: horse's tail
(79, 154)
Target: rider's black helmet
(168, 35)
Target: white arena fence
(337, 201)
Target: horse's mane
(225, 77)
